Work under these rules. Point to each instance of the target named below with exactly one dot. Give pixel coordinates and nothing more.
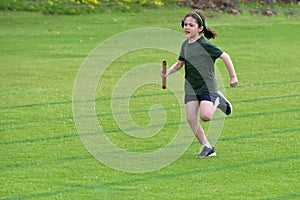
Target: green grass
(42, 156)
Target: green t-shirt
(199, 58)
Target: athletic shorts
(205, 96)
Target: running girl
(198, 55)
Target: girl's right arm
(175, 67)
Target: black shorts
(205, 96)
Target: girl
(198, 56)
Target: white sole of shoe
(213, 154)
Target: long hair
(200, 18)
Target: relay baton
(164, 71)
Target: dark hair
(200, 18)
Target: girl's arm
(175, 67)
(229, 65)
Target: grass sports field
(43, 157)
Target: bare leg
(192, 108)
(207, 110)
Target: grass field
(42, 156)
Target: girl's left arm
(230, 67)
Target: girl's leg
(192, 108)
(208, 109)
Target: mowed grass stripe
(61, 137)
(75, 188)
(166, 108)
(86, 156)
(107, 98)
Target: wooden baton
(164, 71)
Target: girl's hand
(163, 75)
(175, 67)
(234, 81)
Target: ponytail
(209, 33)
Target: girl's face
(191, 28)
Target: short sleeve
(214, 51)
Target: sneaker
(206, 152)
(225, 106)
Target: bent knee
(205, 117)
